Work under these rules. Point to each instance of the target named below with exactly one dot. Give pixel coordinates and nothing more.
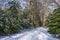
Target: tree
(35, 12)
(26, 19)
(10, 21)
(53, 22)
(13, 20)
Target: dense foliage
(53, 22)
(12, 20)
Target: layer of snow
(35, 34)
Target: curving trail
(35, 34)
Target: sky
(3, 4)
(23, 4)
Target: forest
(19, 15)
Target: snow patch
(35, 34)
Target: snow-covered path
(35, 34)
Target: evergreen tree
(10, 21)
(53, 22)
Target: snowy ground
(35, 34)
